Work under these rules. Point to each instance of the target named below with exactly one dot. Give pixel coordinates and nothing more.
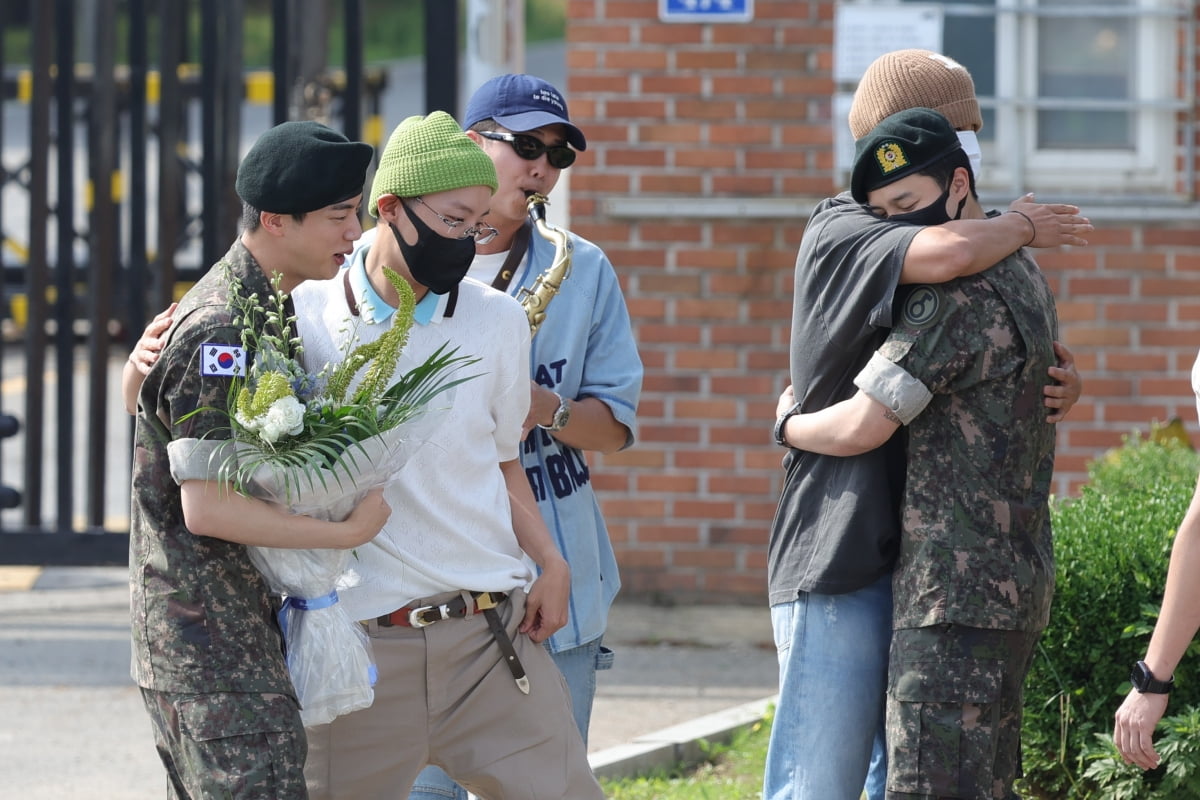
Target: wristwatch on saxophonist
(561, 415)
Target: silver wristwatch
(561, 415)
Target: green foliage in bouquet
(1111, 544)
(303, 424)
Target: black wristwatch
(1144, 681)
(561, 415)
(782, 422)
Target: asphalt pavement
(72, 723)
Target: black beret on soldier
(297, 167)
(906, 142)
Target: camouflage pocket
(252, 745)
(942, 724)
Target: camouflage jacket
(975, 545)
(203, 619)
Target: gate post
(135, 272)
(102, 261)
(42, 45)
(172, 43)
(64, 259)
(441, 74)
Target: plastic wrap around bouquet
(329, 656)
(328, 653)
(315, 444)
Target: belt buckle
(415, 620)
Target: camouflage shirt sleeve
(948, 337)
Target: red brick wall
(680, 113)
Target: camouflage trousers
(232, 746)
(954, 712)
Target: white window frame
(1163, 101)
(1012, 160)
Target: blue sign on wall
(705, 10)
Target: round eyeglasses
(531, 148)
(481, 233)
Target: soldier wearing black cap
(207, 650)
(920, 141)
(962, 370)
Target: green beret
(425, 155)
(297, 167)
(906, 142)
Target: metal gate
(116, 188)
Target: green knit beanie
(425, 155)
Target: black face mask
(932, 214)
(436, 262)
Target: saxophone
(536, 299)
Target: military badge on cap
(890, 157)
(222, 360)
(905, 143)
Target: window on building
(1079, 96)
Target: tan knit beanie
(906, 79)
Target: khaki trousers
(445, 696)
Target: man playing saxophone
(585, 367)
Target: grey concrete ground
(72, 724)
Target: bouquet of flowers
(315, 444)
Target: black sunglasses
(531, 148)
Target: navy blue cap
(521, 103)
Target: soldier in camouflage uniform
(207, 650)
(962, 370)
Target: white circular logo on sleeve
(921, 307)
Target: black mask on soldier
(932, 214)
(436, 262)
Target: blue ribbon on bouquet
(304, 604)
(313, 604)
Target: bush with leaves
(1111, 545)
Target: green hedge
(1111, 545)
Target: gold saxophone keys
(537, 298)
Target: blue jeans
(827, 740)
(579, 666)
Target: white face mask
(970, 143)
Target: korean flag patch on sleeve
(222, 359)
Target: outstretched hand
(1054, 224)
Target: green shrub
(1178, 778)
(1111, 545)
